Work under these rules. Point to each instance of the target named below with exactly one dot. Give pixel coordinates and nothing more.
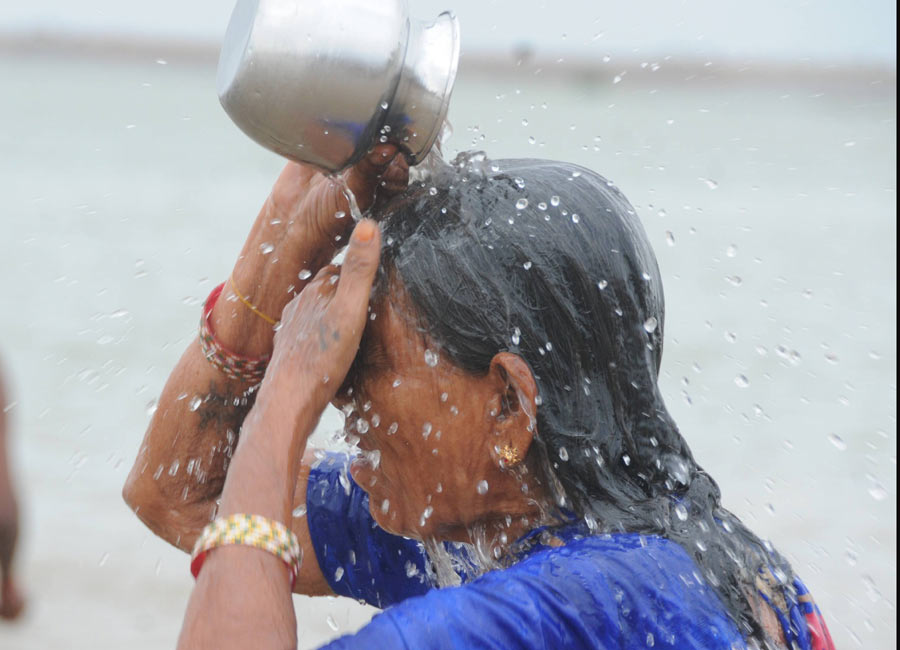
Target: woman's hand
(321, 328)
(304, 194)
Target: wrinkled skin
(438, 431)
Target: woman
(504, 397)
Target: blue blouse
(605, 591)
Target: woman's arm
(242, 596)
(181, 466)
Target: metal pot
(322, 81)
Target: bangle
(271, 321)
(249, 530)
(235, 366)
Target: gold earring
(509, 455)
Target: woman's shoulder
(612, 558)
(646, 585)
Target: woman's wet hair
(549, 260)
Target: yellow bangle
(249, 305)
(249, 530)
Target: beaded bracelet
(235, 366)
(249, 530)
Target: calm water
(127, 194)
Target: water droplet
(521, 204)
(602, 285)
(338, 574)
(305, 274)
(878, 492)
(151, 407)
(393, 428)
(482, 487)
(741, 381)
(385, 106)
(431, 358)
(731, 251)
(670, 238)
(426, 430)
(711, 184)
(265, 248)
(433, 191)
(516, 336)
(340, 214)
(563, 454)
(542, 206)
(299, 511)
(575, 218)
(103, 559)
(626, 459)
(524, 122)
(734, 280)
(554, 201)
(831, 357)
(520, 183)
(195, 403)
(396, 383)
(330, 620)
(837, 441)
(681, 512)
(650, 325)
(362, 426)
(385, 506)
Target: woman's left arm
(243, 596)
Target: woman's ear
(513, 408)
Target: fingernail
(365, 231)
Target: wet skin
(438, 430)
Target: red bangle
(233, 365)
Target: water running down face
(431, 433)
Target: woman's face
(428, 429)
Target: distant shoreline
(524, 64)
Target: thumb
(358, 270)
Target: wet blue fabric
(358, 558)
(609, 591)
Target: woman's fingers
(358, 270)
(364, 177)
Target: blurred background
(756, 140)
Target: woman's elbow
(148, 503)
(168, 513)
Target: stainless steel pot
(322, 81)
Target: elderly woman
(494, 347)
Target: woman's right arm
(180, 470)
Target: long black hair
(550, 261)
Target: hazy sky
(840, 31)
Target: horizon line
(478, 63)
